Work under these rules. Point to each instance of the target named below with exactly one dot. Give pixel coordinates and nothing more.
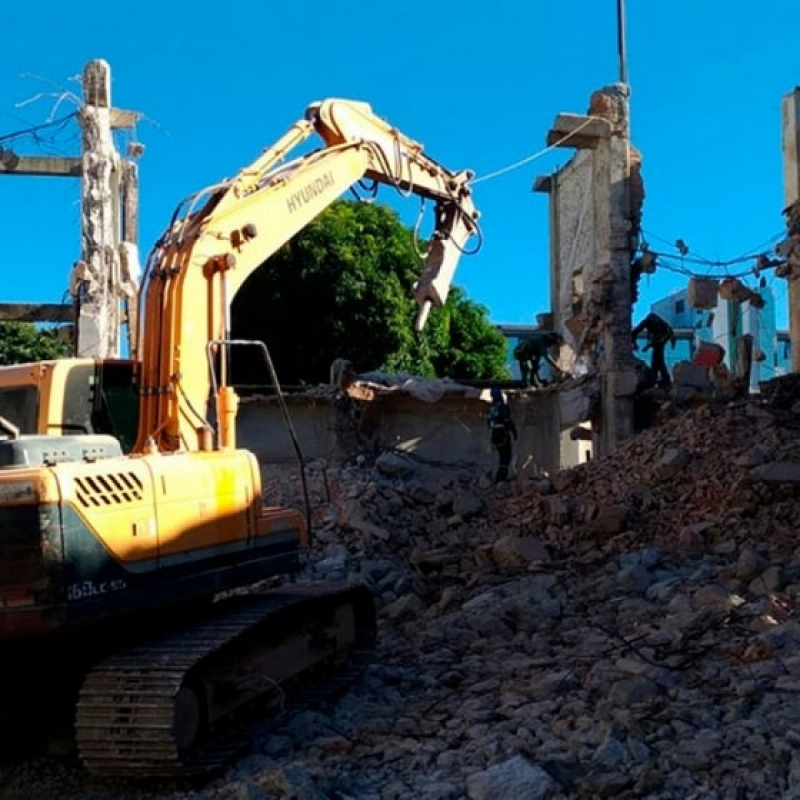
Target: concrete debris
(509, 552)
(781, 472)
(629, 628)
(515, 779)
(694, 382)
(430, 390)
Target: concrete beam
(578, 131)
(49, 166)
(121, 119)
(36, 312)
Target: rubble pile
(711, 476)
(628, 628)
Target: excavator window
(20, 405)
(76, 415)
(101, 398)
(115, 402)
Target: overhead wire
(396, 174)
(527, 160)
(667, 261)
(33, 130)
(683, 270)
(761, 250)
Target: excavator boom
(227, 232)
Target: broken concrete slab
(777, 472)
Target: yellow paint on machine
(165, 506)
(115, 499)
(204, 499)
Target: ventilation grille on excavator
(110, 489)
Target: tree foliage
(21, 342)
(342, 288)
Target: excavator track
(163, 708)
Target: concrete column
(744, 361)
(96, 276)
(791, 183)
(595, 216)
(618, 378)
(130, 253)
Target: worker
(501, 431)
(659, 332)
(530, 352)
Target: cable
(415, 230)
(682, 270)
(370, 188)
(395, 181)
(61, 122)
(533, 157)
(398, 155)
(755, 253)
(478, 232)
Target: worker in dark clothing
(659, 332)
(531, 351)
(501, 431)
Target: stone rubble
(628, 628)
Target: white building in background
(723, 325)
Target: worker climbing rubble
(531, 351)
(658, 332)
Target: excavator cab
(72, 396)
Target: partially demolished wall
(338, 428)
(595, 211)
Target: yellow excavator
(126, 506)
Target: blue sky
(478, 83)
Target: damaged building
(596, 202)
(433, 421)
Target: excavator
(135, 542)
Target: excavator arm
(220, 236)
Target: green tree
(342, 288)
(21, 342)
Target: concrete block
(787, 472)
(692, 375)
